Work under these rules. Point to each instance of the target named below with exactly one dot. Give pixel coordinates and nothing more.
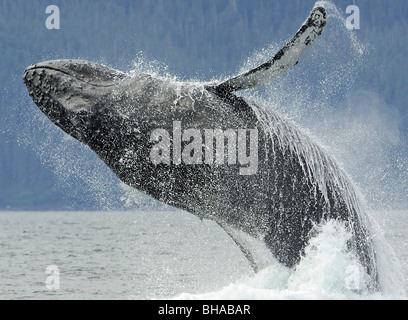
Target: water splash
(327, 271)
(333, 12)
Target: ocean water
(172, 255)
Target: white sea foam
(327, 271)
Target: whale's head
(108, 110)
(111, 111)
(69, 92)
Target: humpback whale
(159, 136)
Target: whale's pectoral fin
(253, 247)
(287, 57)
(241, 245)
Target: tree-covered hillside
(201, 39)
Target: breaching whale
(166, 139)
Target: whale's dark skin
(115, 114)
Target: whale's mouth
(84, 71)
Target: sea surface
(166, 255)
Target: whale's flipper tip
(318, 17)
(286, 58)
